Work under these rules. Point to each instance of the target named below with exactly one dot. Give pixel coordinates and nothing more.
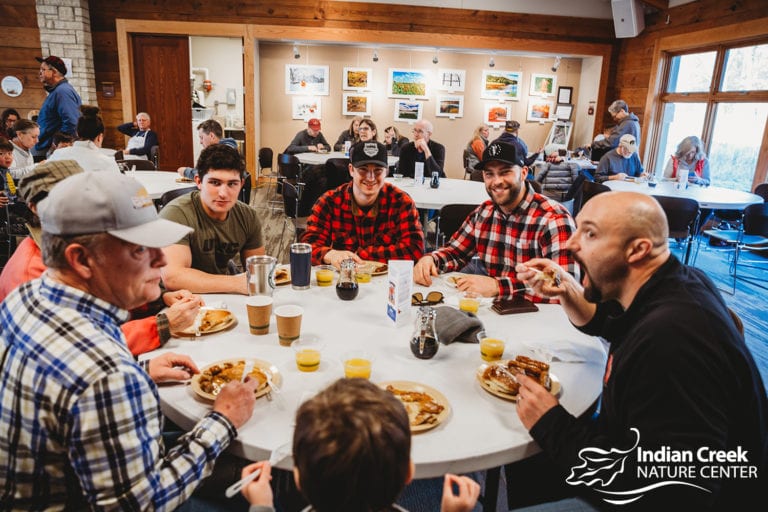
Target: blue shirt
(80, 420)
(59, 113)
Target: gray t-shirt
(214, 242)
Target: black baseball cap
(370, 152)
(55, 62)
(500, 152)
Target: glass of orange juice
(357, 364)
(307, 352)
(324, 275)
(469, 302)
(491, 346)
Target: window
(719, 93)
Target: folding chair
(682, 220)
(449, 220)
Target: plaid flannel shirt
(537, 228)
(389, 230)
(80, 420)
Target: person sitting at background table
(224, 228)
(476, 146)
(351, 452)
(621, 162)
(350, 135)
(511, 135)
(208, 132)
(679, 377)
(394, 141)
(689, 157)
(367, 218)
(142, 138)
(7, 119)
(423, 149)
(26, 263)
(367, 131)
(311, 139)
(60, 140)
(25, 136)
(516, 225)
(86, 150)
(81, 419)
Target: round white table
(313, 158)
(482, 430)
(450, 191)
(159, 182)
(707, 197)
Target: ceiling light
(296, 54)
(556, 64)
(434, 59)
(375, 56)
(491, 62)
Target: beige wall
(277, 127)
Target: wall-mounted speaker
(628, 17)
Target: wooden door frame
(250, 33)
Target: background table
(482, 431)
(312, 158)
(159, 182)
(707, 197)
(450, 191)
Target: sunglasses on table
(432, 298)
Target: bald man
(679, 380)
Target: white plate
(437, 396)
(265, 366)
(554, 381)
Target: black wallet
(515, 305)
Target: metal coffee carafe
(424, 342)
(260, 274)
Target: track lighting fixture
(296, 54)
(375, 55)
(491, 62)
(435, 59)
(556, 64)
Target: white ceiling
(575, 8)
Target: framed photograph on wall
(407, 83)
(563, 112)
(559, 134)
(305, 107)
(306, 80)
(354, 104)
(449, 106)
(408, 111)
(564, 94)
(356, 79)
(451, 80)
(543, 85)
(496, 114)
(501, 85)
(540, 109)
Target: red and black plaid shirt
(538, 228)
(389, 230)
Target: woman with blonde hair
(350, 134)
(690, 158)
(476, 146)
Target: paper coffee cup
(288, 323)
(259, 311)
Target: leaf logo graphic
(600, 466)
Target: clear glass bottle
(346, 287)
(424, 342)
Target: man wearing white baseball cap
(81, 416)
(620, 163)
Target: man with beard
(514, 226)
(679, 376)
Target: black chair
(466, 162)
(682, 220)
(752, 236)
(573, 194)
(139, 163)
(449, 220)
(293, 210)
(598, 153)
(169, 196)
(535, 185)
(154, 156)
(245, 192)
(590, 189)
(336, 172)
(762, 191)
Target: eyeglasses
(432, 298)
(364, 173)
(364, 129)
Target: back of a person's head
(90, 125)
(5, 145)
(211, 126)
(219, 157)
(62, 138)
(352, 447)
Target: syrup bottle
(346, 287)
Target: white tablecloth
(482, 430)
(707, 197)
(159, 182)
(450, 191)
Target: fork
(277, 455)
(246, 369)
(274, 388)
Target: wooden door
(161, 73)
